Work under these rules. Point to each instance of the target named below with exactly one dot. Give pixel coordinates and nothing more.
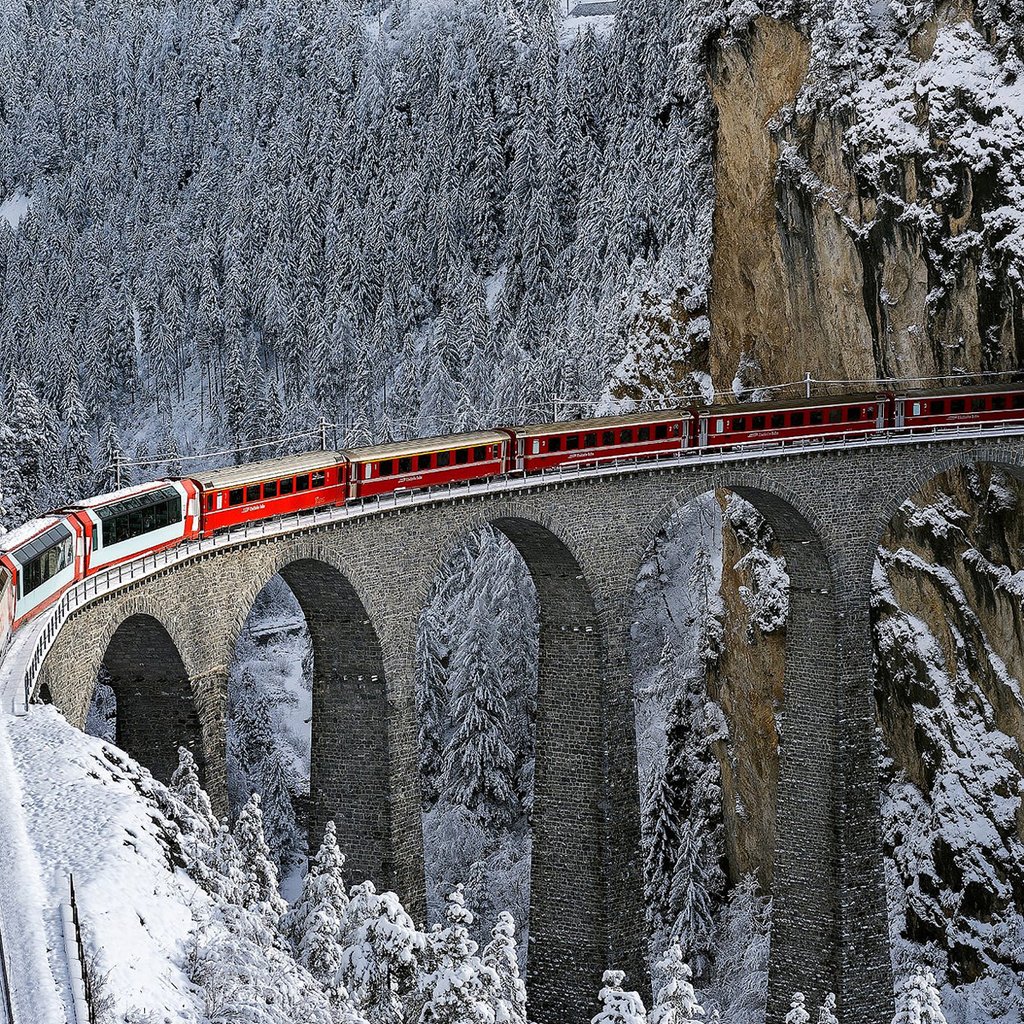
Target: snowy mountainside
(947, 622)
(91, 812)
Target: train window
(209, 503)
(252, 492)
(915, 409)
(999, 401)
(608, 437)
(796, 419)
(141, 513)
(757, 423)
(957, 405)
(462, 457)
(590, 440)
(45, 556)
(270, 489)
(719, 426)
(405, 465)
(480, 453)
(937, 407)
(643, 433)
(778, 420)
(572, 442)
(626, 437)
(739, 423)
(554, 444)
(1018, 401)
(661, 432)
(835, 415)
(302, 482)
(387, 467)
(235, 496)
(817, 416)
(287, 486)
(977, 404)
(423, 462)
(853, 413)
(319, 478)
(444, 459)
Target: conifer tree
(186, 787)
(112, 471)
(479, 766)
(618, 1006)
(259, 884)
(500, 955)
(827, 1013)
(315, 924)
(797, 1012)
(676, 1001)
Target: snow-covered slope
(90, 812)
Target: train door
(899, 416)
(702, 440)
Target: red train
(41, 559)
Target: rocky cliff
(869, 223)
(870, 183)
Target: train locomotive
(40, 560)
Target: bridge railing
(113, 578)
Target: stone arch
(805, 953)
(584, 889)
(935, 461)
(156, 707)
(350, 770)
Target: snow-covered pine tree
(315, 924)
(479, 766)
(501, 956)
(111, 471)
(827, 1012)
(459, 988)
(919, 1002)
(260, 893)
(186, 787)
(380, 955)
(617, 1005)
(257, 766)
(676, 1001)
(797, 1011)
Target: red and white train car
(953, 407)
(38, 562)
(427, 462)
(136, 520)
(546, 445)
(779, 422)
(274, 487)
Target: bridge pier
(585, 887)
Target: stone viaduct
(167, 641)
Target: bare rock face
(746, 682)
(863, 227)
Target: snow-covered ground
(89, 813)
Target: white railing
(108, 580)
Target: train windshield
(43, 557)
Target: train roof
(814, 402)
(125, 492)
(267, 469)
(21, 535)
(995, 389)
(600, 423)
(422, 445)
